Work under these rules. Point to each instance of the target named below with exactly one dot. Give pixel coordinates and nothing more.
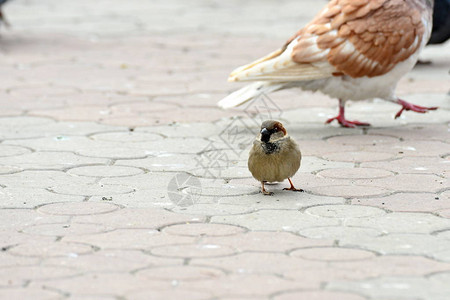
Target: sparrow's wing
(352, 37)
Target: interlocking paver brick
(339, 232)
(408, 202)
(318, 295)
(332, 254)
(266, 241)
(130, 239)
(35, 293)
(111, 261)
(201, 229)
(77, 208)
(42, 248)
(109, 114)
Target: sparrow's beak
(265, 135)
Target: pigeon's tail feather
(248, 93)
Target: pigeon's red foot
(346, 123)
(408, 106)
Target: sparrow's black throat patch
(270, 148)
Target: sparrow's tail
(248, 93)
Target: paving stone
(127, 137)
(355, 173)
(29, 293)
(349, 191)
(162, 163)
(50, 160)
(9, 170)
(246, 285)
(275, 220)
(91, 189)
(399, 287)
(130, 239)
(50, 249)
(173, 294)
(18, 275)
(399, 243)
(362, 156)
(7, 150)
(13, 127)
(281, 200)
(407, 202)
(413, 165)
(105, 284)
(203, 229)
(339, 232)
(212, 209)
(137, 218)
(181, 273)
(392, 265)
(20, 218)
(138, 199)
(105, 171)
(411, 182)
(111, 261)
(332, 254)
(190, 251)
(362, 140)
(402, 222)
(345, 211)
(43, 179)
(77, 208)
(65, 229)
(318, 295)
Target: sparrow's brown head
(271, 130)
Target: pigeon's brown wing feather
(348, 37)
(363, 37)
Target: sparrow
(351, 50)
(274, 156)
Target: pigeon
(274, 156)
(2, 17)
(441, 22)
(351, 50)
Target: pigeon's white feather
(248, 93)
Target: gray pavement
(121, 179)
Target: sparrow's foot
(267, 193)
(346, 123)
(292, 188)
(408, 106)
(263, 190)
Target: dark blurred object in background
(2, 17)
(441, 22)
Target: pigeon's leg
(408, 106)
(292, 188)
(263, 190)
(341, 118)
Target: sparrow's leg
(263, 190)
(292, 188)
(408, 106)
(341, 118)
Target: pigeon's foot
(408, 106)
(346, 123)
(342, 120)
